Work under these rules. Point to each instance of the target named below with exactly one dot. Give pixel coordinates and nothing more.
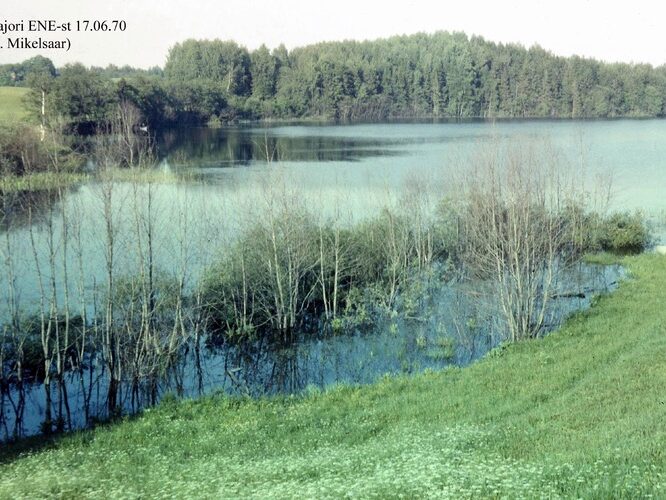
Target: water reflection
(452, 327)
(20, 208)
(205, 147)
(633, 152)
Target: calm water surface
(345, 172)
(372, 156)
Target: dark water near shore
(450, 328)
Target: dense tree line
(441, 75)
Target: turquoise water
(376, 156)
(344, 172)
(341, 171)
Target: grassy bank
(11, 104)
(580, 413)
(39, 181)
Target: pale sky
(607, 30)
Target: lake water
(370, 157)
(212, 182)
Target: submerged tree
(515, 235)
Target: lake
(371, 157)
(211, 183)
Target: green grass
(147, 175)
(580, 413)
(603, 258)
(40, 181)
(12, 108)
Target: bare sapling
(514, 237)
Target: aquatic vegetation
(624, 232)
(288, 270)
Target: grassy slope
(581, 412)
(11, 104)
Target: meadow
(12, 109)
(578, 413)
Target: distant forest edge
(442, 75)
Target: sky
(606, 30)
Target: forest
(441, 75)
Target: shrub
(591, 232)
(268, 279)
(287, 272)
(21, 151)
(624, 232)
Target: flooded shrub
(515, 237)
(141, 299)
(394, 246)
(287, 272)
(624, 232)
(361, 306)
(143, 337)
(268, 279)
(619, 232)
(21, 151)
(582, 230)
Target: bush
(591, 232)
(268, 279)
(288, 271)
(624, 232)
(21, 151)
